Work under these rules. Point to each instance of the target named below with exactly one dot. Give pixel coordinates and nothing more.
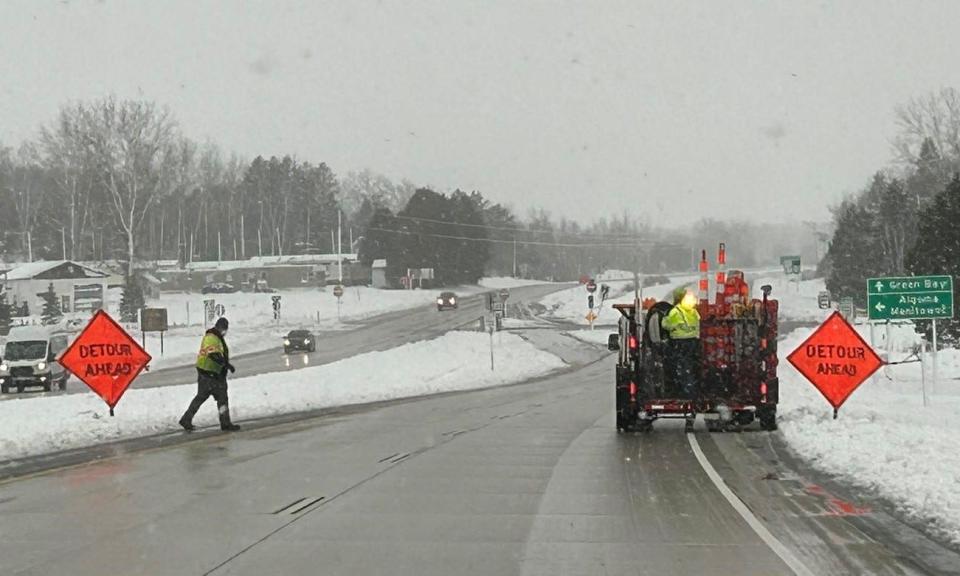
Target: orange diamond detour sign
(105, 358)
(835, 359)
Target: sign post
(105, 358)
(153, 320)
(836, 360)
(912, 298)
(209, 310)
(338, 292)
(276, 307)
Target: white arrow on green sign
(910, 298)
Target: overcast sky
(668, 109)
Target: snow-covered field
(570, 305)
(506, 282)
(455, 361)
(885, 439)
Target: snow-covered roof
(268, 261)
(381, 263)
(34, 269)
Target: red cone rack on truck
(736, 368)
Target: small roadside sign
(220, 310)
(153, 320)
(209, 310)
(847, 308)
(338, 290)
(504, 294)
(823, 300)
(591, 316)
(591, 286)
(910, 298)
(105, 358)
(791, 264)
(836, 360)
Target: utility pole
(63, 239)
(279, 243)
(243, 240)
(259, 244)
(308, 225)
(219, 250)
(29, 247)
(339, 248)
(514, 256)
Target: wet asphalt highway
(525, 479)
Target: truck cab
(30, 360)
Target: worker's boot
(225, 424)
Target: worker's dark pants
(685, 359)
(209, 385)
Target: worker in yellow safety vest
(682, 325)
(213, 363)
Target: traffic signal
(590, 301)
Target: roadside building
(80, 288)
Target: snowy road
(375, 334)
(527, 479)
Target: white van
(30, 359)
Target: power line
(517, 241)
(524, 230)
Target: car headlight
(453, 300)
(41, 366)
(4, 368)
(440, 301)
(286, 342)
(306, 340)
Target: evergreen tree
(4, 314)
(853, 254)
(51, 313)
(937, 249)
(132, 300)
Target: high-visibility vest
(682, 323)
(211, 344)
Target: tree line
(114, 179)
(906, 219)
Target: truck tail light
(634, 343)
(633, 389)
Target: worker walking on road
(682, 324)
(213, 362)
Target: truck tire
(4, 389)
(768, 418)
(62, 385)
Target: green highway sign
(910, 298)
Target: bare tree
(68, 157)
(935, 116)
(135, 144)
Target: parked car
(299, 340)
(30, 360)
(218, 288)
(262, 287)
(447, 301)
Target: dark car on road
(447, 301)
(218, 288)
(303, 340)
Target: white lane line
(769, 539)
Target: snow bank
(456, 361)
(497, 283)
(597, 337)
(884, 439)
(252, 327)
(571, 305)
